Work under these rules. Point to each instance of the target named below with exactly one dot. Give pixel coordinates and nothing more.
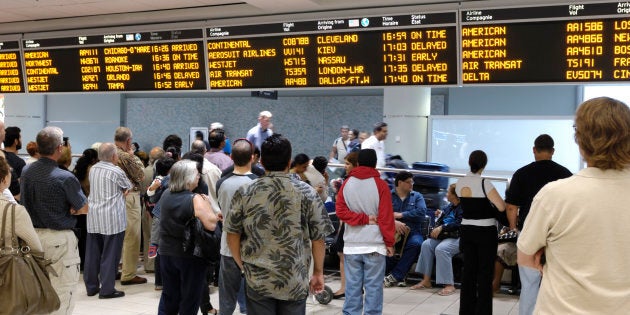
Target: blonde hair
(602, 131)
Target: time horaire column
(406, 110)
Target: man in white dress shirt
(376, 142)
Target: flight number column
(294, 61)
(395, 68)
(584, 44)
(90, 69)
(621, 50)
(333, 68)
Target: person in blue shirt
(409, 212)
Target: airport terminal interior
(447, 76)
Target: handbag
(446, 234)
(200, 242)
(501, 216)
(24, 284)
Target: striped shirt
(107, 213)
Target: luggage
(429, 180)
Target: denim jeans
(530, 284)
(231, 288)
(410, 254)
(364, 271)
(443, 252)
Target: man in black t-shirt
(525, 184)
(12, 144)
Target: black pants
(479, 246)
(183, 283)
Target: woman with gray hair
(182, 285)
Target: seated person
(506, 258)
(442, 249)
(409, 212)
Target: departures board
(557, 44)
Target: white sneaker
(390, 281)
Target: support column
(406, 111)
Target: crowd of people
(268, 206)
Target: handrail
(432, 173)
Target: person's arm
(512, 215)
(82, 210)
(317, 279)
(386, 215)
(234, 243)
(496, 199)
(204, 212)
(346, 215)
(531, 261)
(333, 152)
(24, 229)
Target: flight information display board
(567, 43)
(413, 49)
(149, 61)
(11, 79)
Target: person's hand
(401, 228)
(155, 184)
(436, 231)
(390, 251)
(537, 257)
(373, 220)
(220, 216)
(317, 283)
(398, 215)
(438, 212)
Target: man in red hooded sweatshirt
(364, 202)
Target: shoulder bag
(200, 242)
(446, 234)
(24, 284)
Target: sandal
(445, 292)
(419, 286)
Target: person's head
(172, 141)
(199, 135)
(66, 157)
(2, 131)
(198, 147)
(353, 134)
(256, 155)
(5, 174)
(123, 137)
(87, 159)
(155, 154)
(477, 161)
(184, 176)
(300, 163)
(12, 138)
(198, 158)
(351, 161)
(32, 150)
(320, 163)
(216, 139)
(404, 182)
(275, 153)
(451, 195)
(242, 152)
(602, 132)
(380, 131)
(143, 156)
(344, 132)
(363, 135)
(367, 157)
(173, 152)
(163, 166)
(543, 147)
(108, 152)
(264, 118)
(135, 146)
(49, 141)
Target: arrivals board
(11, 79)
(571, 43)
(149, 61)
(412, 49)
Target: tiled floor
(143, 299)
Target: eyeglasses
(251, 145)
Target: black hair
(89, 157)
(172, 141)
(300, 159)
(275, 153)
(320, 163)
(11, 134)
(477, 160)
(402, 176)
(544, 142)
(217, 136)
(379, 126)
(199, 134)
(195, 157)
(163, 166)
(173, 152)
